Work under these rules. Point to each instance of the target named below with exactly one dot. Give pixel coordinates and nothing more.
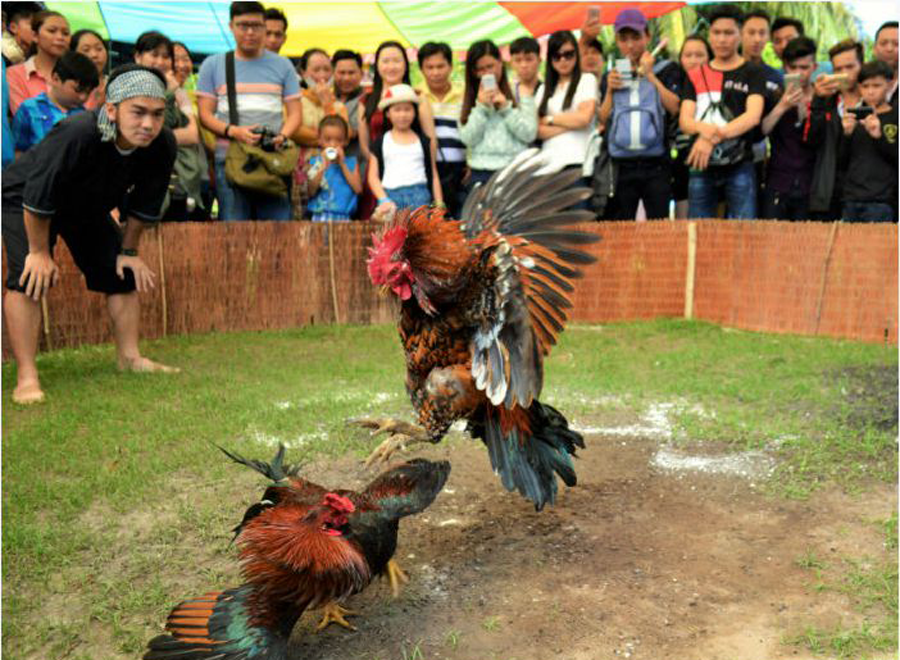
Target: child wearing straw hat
(402, 166)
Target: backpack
(638, 127)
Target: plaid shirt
(34, 119)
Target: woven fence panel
(808, 278)
(861, 286)
(799, 278)
(639, 273)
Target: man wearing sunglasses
(639, 95)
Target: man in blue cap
(118, 157)
(639, 97)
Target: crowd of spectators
(712, 132)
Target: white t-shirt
(569, 147)
(404, 164)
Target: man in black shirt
(119, 157)
(885, 49)
(869, 150)
(722, 102)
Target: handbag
(252, 167)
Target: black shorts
(94, 245)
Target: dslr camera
(266, 137)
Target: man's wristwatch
(226, 130)
(550, 120)
(128, 252)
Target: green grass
(80, 469)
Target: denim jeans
(410, 196)
(868, 212)
(736, 182)
(238, 204)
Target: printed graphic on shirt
(890, 133)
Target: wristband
(226, 130)
(382, 200)
(128, 252)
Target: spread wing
(521, 222)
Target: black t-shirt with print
(74, 177)
(705, 85)
(871, 164)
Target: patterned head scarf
(126, 86)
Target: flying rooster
(483, 299)
(301, 547)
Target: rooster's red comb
(382, 250)
(338, 503)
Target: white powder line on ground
(299, 441)
(744, 464)
(654, 424)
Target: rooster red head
(335, 516)
(387, 266)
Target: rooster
(483, 300)
(301, 547)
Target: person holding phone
(790, 165)
(833, 95)
(868, 150)
(493, 124)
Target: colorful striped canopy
(203, 26)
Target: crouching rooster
(301, 547)
(483, 301)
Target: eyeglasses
(247, 27)
(563, 55)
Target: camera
(266, 137)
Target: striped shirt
(446, 124)
(262, 86)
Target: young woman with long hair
(566, 104)
(90, 43)
(28, 79)
(391, 68)
(493, 126)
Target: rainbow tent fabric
(203, 26)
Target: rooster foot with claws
(334, 613)
(401, 434)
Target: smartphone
(489, 81)
(842, 79)
(792, 79)
(861, 112)
(593, 13)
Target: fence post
(691, 266)
(821, 299)
(162, 279)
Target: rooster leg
(334, 613)
(386, 449)
(396, 577)
(401, 434)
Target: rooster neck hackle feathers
(431, 246)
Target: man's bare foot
(28, 392)
(145, 365)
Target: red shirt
(25, 82)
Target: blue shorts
(410, 196)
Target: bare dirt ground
(637, 561)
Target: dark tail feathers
(276, 470)
(222, 625)
(530, 454)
